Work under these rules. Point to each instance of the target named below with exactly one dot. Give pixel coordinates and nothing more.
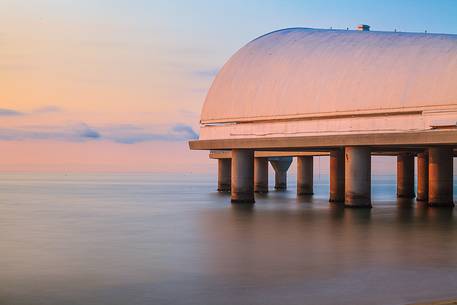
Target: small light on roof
(362, 27)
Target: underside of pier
(243, 163)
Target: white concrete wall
(325, 126)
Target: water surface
(171, 239)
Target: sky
(118, 85)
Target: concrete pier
(305, 175)
(422, 177)
(440, 170)
(270, 115)
(224, 175)
(405, 175)
(242, 176)
(357, 177)
(337, 175)
(261, 175)
(281, 165)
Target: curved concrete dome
(307, 73)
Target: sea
(137, 238)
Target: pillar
(305, 175)
(242, 176)
(281, 165)
(440, 171)
(261, 175)
(224, 175)
(337, 175)
(280, 180)
(357, 177)
(405, 175)
(422, 177)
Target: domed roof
(302, 72)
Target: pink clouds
(101, 156)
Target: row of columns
(434, 176)
(350, 175)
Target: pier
(348, 94)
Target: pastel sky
(117, 85)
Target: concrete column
(422, 177)
(280, 180)
(305, 175)
(224, 175)
(337, 175)
(357, 177)
(405, 175)
(242, 176)
(281, 165)
(261, 175)
(440, 171)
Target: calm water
(163, 239)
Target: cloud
(186, 131)
(16, 67)
(206, 73)
(100, 43)
(72, 133)
(41, 110)
(125, 134)
(188, 113)
(134, 134)
(87, 132)
(48, 109)
(9, 112)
